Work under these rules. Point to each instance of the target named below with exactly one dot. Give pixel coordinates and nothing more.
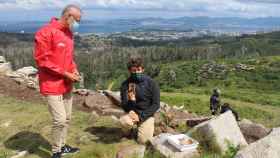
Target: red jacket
(53, 53)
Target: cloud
(260, 1)
(247, 8)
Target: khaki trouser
(145, 129)
(60, 108)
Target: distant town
(169, 35)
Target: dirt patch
(10, 88)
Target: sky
(21, 10)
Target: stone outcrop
(268, 147)
(132, 151)
(219, 133)
(5, 67)
(27, 76)
(160, 143)
(252, 131)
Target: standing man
(54, 49)
(215, 101)
(140, 97)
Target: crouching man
(140, 96)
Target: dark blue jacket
(214, 102)
(147, 97)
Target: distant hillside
(103, 59)
(233, 24)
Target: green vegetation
(254, 94)
(102, 60)
(28, 128)
(183, 70)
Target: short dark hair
(135, 62)
(69, 7)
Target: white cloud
(251, 8)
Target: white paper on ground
(174, 140)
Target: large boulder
(196, 121)
(27, 76)
(27, 71)
(102, 105)
(268, 147)
(160, 143)
(252, 131)
(24, 72)
(219, 133)
(132, 151)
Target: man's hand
(72, 76)
(134, 116)
(76, 72)
(131, 96)
(131, 92)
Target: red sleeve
(43, 51)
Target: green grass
(254, 95)
(259, 86)
(199, 104)
(30, 126)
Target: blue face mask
(75, 25)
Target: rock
(102, 105)
(21, 154)
(252, 131)
(164, 107)
(113, 111)
(178, 108)
(213, 70)
(33, 82)
(27, 76)
(2, 60)
(28, 71)
(19, 80)
(132, 151)
(195, 121)
(267, 147)
(275, 132)
(24, 72)
(177, 117)
(82, 92)
(114, 96)
(243, 67)
(161, 144)
(5, 68)
(218, 133)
